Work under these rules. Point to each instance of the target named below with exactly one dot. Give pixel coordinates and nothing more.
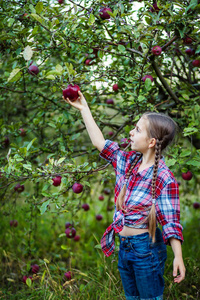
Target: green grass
(39, 239)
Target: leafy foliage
(43, 137)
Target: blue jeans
(141, 266)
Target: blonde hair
(163, 129)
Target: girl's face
(140, 140)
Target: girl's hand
(80, 103)
(178, 265)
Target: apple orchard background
(43, 138)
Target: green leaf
(43, 207)
(59, 69)
(51, 77)
(121, 48)
(98, 246)
(91, 19)
(193, 162)
(10, 22)
(61, 160)
(28, 167)
(189, 131)
(30, 144)
(37, 18)
(64, 247)
(185, 153)
(29, 282)
(148, 84)
(61, 235)
(39, 7)
(28, 53)
(15, 75)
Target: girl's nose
(131, 132)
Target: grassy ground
(41, 240)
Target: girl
(146, 192)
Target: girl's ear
(152, 142)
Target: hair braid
(152, 213)
(121, 196)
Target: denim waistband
(135, 238)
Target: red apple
(110, 208)
(156, 50)
(19, 188)
(106, 191)
(190, 51)
(61, 1)
(187, 40)
(68, 275)
(124, 142)
(88, 62)
(86, 206)
(99, 217)
(110, 133)
(147, 76)
(101, 197)
(77, 238)
(104, 13)
(115, 87)
(22, 132)
(35, 268)
(13, 223)
(6, 142)
(196, 205)
(77, 188)
(67, 225)
(187, 176)
(24, 279)
(33, 70)
(155, 8)
(110, 101)
(57, 180)
(70, 232)
(71, 92)
(196, 63)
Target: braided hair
(163, 129)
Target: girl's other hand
(178, 265)
(80, 103)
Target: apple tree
(127, 57)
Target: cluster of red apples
(34, 269)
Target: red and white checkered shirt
(138, 196)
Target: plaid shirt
(138, 197)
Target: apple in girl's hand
(57, 180)
(71, 92)
(187, 176)
(77, 188)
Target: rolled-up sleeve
(168, 212)
(110, 152)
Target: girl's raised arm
(93, 130)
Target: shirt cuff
(172, 230)
(108, 151)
